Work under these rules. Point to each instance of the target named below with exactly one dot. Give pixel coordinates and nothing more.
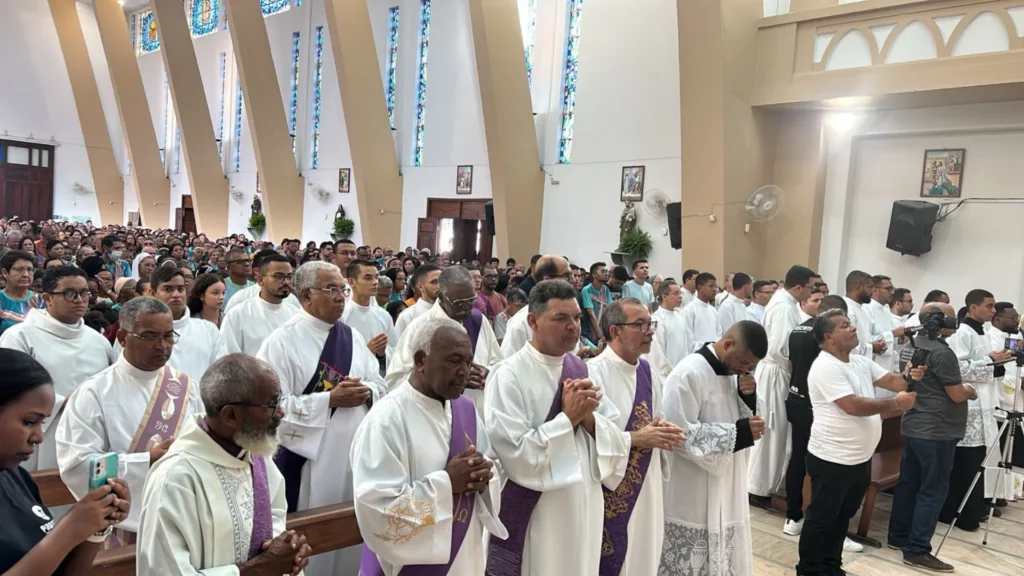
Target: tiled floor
(775, 554)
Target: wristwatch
(101, 536)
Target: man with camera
(930, 430)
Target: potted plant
(343, 228)
(257, 225)
(634, 244)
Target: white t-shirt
(835, 435)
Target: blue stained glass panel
(238, 127)
(134, 30)
(204, 17)
(421, 82)
(167, 124)
(298, 3)
(318, 66)
(148, 39)
(222, 104)
(177, 149)
(531, 38)
(293, 104)
(572, 60)
(392, 67)
(271, 7)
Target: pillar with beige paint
(198, 142)
(517, 182)
(374, 163)
(106, 177)
(152, 187)
(275, 162)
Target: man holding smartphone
(930, 430)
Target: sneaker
(851, 546)
(928, 562)
(893, 546)
(793, 527)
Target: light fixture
(121, 2)
(842, 121)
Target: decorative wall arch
(895, 34)
(840, 35)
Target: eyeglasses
(643, 326)
(171, 337)
(242, 261)
(70, 295)
(272, 407)
(283, 277)
(461, 302)
(335, 291)
(22, 270)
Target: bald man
(517, 332)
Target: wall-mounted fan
(655, 203)
(765, 203)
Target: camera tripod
(1013, 421)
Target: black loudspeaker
(675, 223)
(910, 227)
(489, 215)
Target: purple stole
(619, 504)
(164, 414)
(463, 427)
(472, 325)
(262, 517)
(505, 557)
(334, 364)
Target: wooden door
(444, 208)
(426, 234)
(186, 220)
(26, 180)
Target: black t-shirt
(803, 349)
(934, 415)
(25, 520)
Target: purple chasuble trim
(164, 415)
(505, 557)
(472, 325)
(334, 364)
(463, 435)
(620, 503)
(262, 517)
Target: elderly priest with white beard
(329, 380)
(215, 504)
(135, 408)
(422, 465)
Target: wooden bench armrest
(52, 489)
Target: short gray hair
(14, 234)
(426, 329)
(385, 281)
(453, 276)
(231, 379)
(615, 313)
(305, 276)
(136, 307)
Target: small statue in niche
(340, 213)
(628, 219)
(257, 205)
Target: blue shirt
(14, 311)
(595, 299)
(642, 292)
(119, 269)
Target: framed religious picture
(464, 180)
(632, 188)
(344, 180)
(943, 173)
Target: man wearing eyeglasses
(135, 408)
(883, 327)
(763, 293)
(329, 380)
(248, 322)
(58, 339)
(239, 272)
(455, 300)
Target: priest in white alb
(423, 468)
(700, 316)
(557, 438)
(710, 395)
(672, 335)
(134, 408)
(455, 300)
(858, 295)
(215, 503)
(329, 380)
(733, 309)
(254, 291)
(58, 339)
(518, 332)
(633, 504)
(246, 325)
(363, 314)
(883, 327)
(425, 285)
(767, 461)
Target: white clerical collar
(359, 306)
(700, 302)
(876, 304)
(41, 319)
(181, 324)
(123, 365)
(617, 362)
(756, 306)
(711, 348)
(267, 304)
(433, 406)
(314, 321)
(541, 357)
(730, 298)
(804, 316)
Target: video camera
(932, 323)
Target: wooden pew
(327, 528)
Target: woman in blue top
(17, 298)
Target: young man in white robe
(767, 461)
(701, 317)
(633, 504)
(672, 335)
(363, 314)
(724, 291)
(58, 339)
(883, 327)
(1005, 324)
(542, 408)
(710, 395)
(329, 380)
(199, 344)
(422, 466)
(135, 408)
(859, 286)
(762, 295)
(426, 285)
(456, 298)
(252, 292)
(733, 307)
(215, 503)
(245, 326)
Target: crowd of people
(472, 410)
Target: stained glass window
(167, 136)
(271, 7)
(148, 39)
(530, 38)
(237, 161)
(298, 3)
(421, 82)
(204, 16)
(318, 65)
(177, 148)
(222, 104)
(133, 31)
(392, 67)
(572, 63)
(293, 104)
